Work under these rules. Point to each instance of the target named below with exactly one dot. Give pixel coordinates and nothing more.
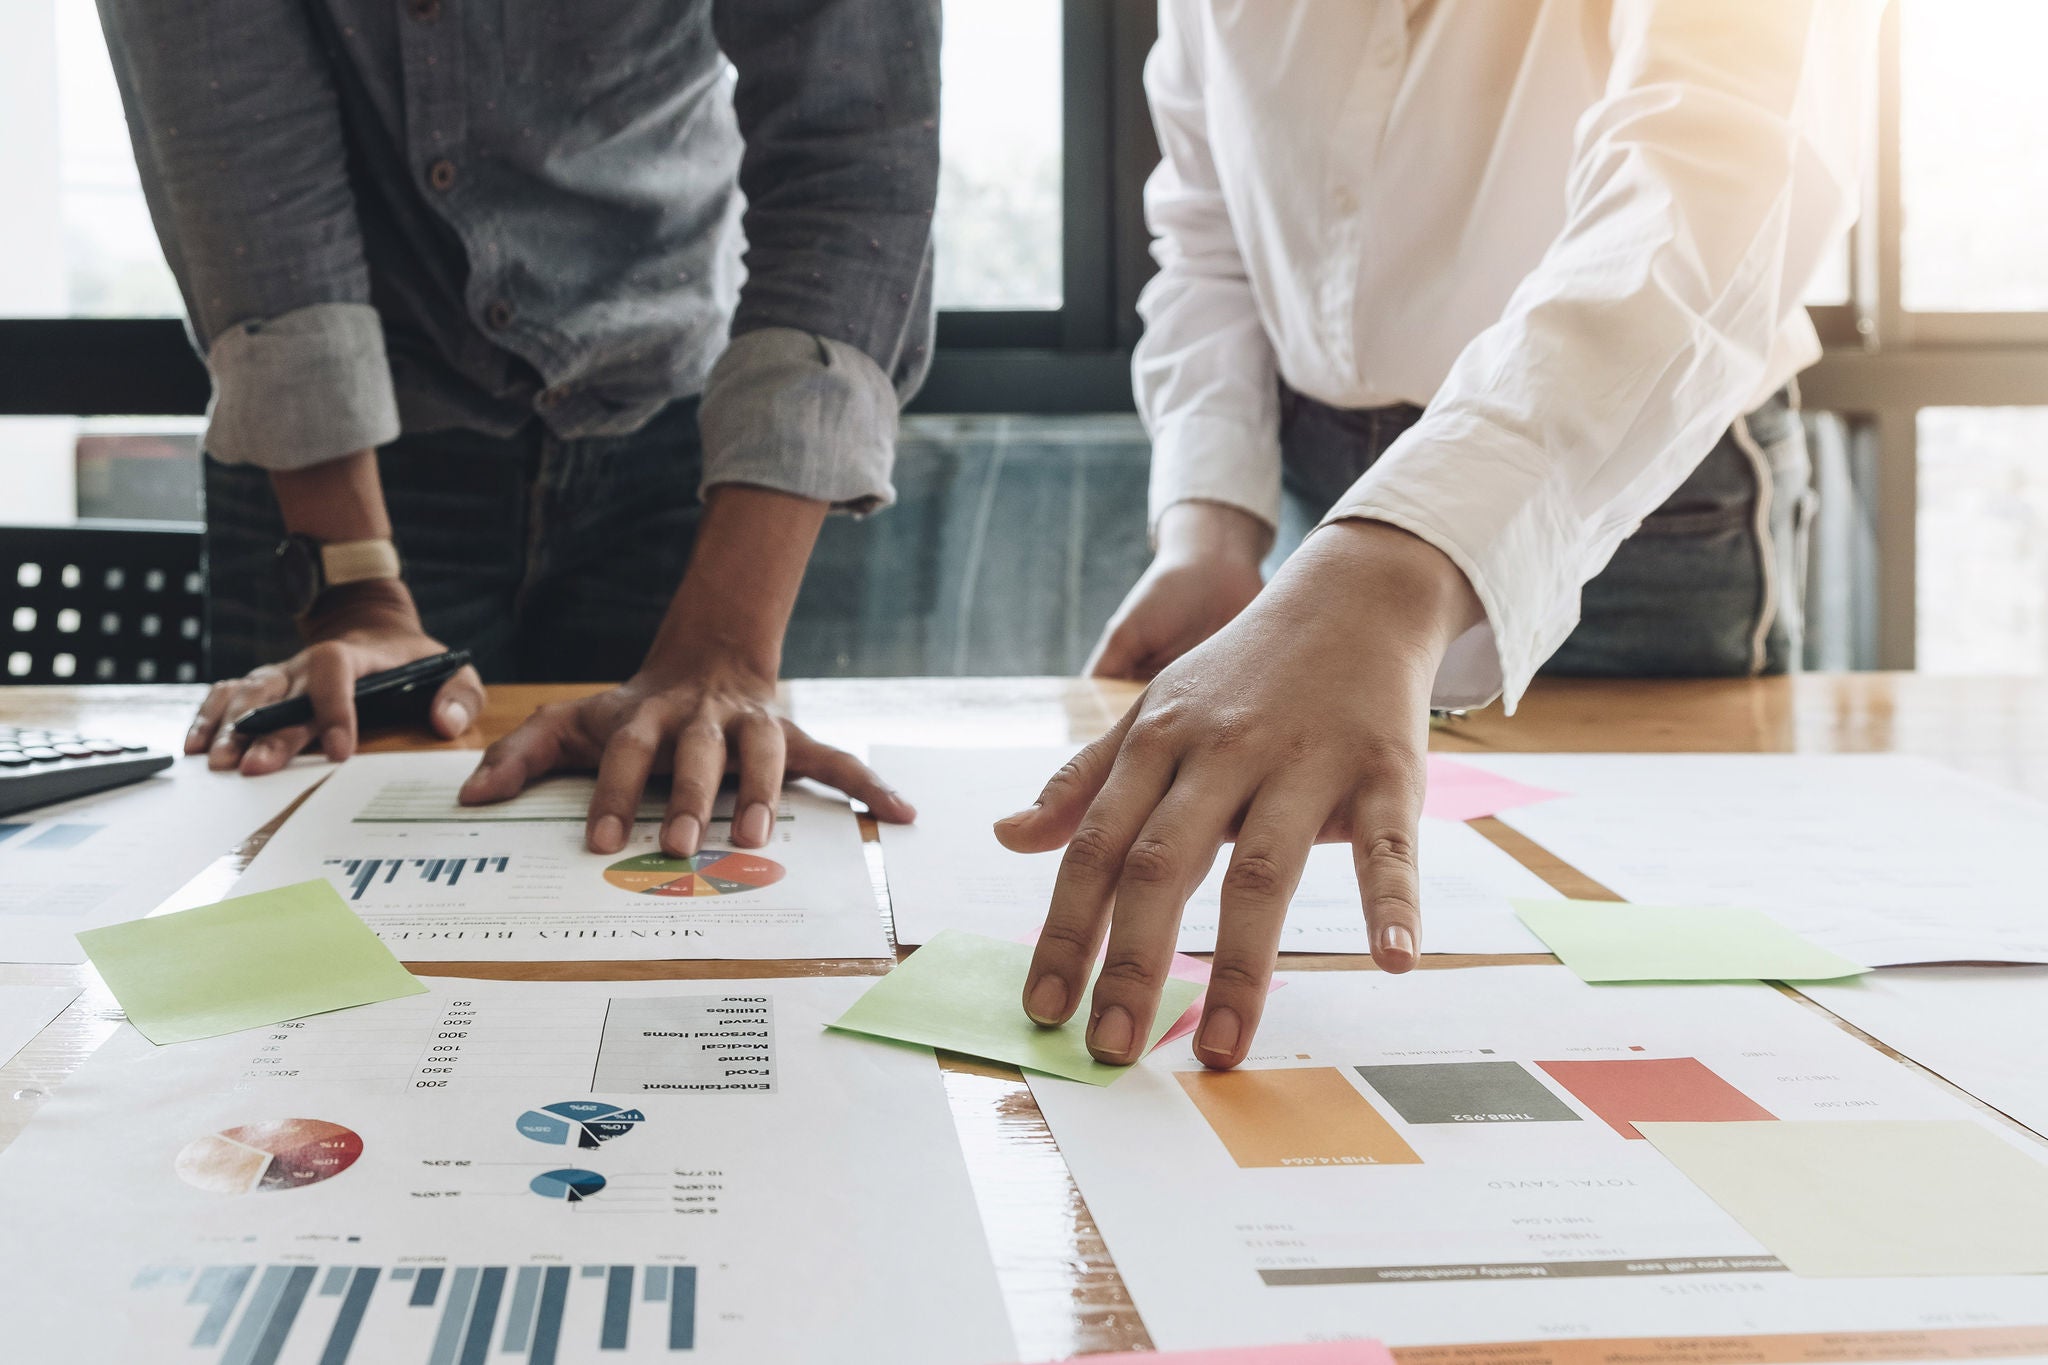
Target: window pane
(63, 469)
(997, 228)
(1983, 540)
(1973, 109)
(76, 240)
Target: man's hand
(1304, 720)
(696, 723)
(1205, 573)
(703, 703)
(360, 629)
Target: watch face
(298, 573)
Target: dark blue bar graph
(343, 1338)
(256, 1317)
(454, 1316)
(426, 1286)
(682, 1309)
(223, 1284)
(654, 1284)
(547, 1323)
(282, 1315)
(519, 1321)
(482, 1318)
(618, 1306)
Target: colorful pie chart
(276, 1154)
(713, 872)
(581, 1123)
(572, 1185)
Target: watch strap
(357, 561)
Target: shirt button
(498, 315)
(441, 174)
(1344, 201)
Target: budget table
(1063, 1291)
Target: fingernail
(331, 742)
(755, 822)
(1031, 809)
(1047, 1003)
(685, 832)
(1396, 941)
(1219, 1033)
(1110, 1036)
(458, 717)
(609, 833)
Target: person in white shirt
(1488, 286)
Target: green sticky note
(245, 962)
(1607, 941)
(964, 993)
(1871, 1197)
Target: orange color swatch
(1295, 1116)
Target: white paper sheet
(119, 854)
(1982, 1029)
(1519, 1212)
(787, 1182)
(1883, 858)
(26, 1011)
(948, 872)
(440, 882)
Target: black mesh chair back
(101, 603)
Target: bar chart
(255, 1314)
(364, 875)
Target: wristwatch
(306, 568)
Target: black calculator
(39, 767)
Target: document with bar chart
(1450, 1157)
(443, 882)
(948, 872)
(505, 1171)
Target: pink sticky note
(1459, 791)
(1186, 969)
(1316, 1353)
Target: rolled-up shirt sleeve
(1705, 187)
(1203, 372)
(238, 138)
(833, 331)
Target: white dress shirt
(1577, 231)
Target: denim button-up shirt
(412, 214)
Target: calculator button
(13, 758)
(74, 751)
(43, 755)
(103, 746)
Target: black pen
(388, 688)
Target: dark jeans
(550, 560)
(1712, 584)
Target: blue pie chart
(572, 1185)
(580, 1123)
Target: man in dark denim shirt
(487, 259)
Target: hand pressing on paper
(703, 703)
(357, 630)
(1205, 573)
(1304, 720)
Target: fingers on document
(843, 772)
(1383, 818)
(698, 767)
(1052, 819)
(207, 721)
(225, 748)
(330, 672)
(1265, 867)
(622, 773)
(1089, 872)
(762, 753)
(508, 765)
(1167, 860)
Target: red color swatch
(1627, 1091)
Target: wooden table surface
(1063, 1291)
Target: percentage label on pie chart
(713, 872)
(572, 1185)
(276, 1154)
(579, 1123)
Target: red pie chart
(713, 872)
(276, 1154)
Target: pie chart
(580, 1123)
(713, 872)
(572, 1185)
(276, 1154)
